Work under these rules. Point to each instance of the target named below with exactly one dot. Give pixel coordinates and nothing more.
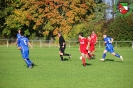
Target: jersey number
(109, 40)
(25, 42)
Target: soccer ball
(80, 57)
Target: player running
(23, 43)
(94, 38)
(109, 48)
(90, 47)
(83, 46)
(62, 47)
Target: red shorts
(92, 48)
(83, 51)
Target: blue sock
(29, 61)
(26, 62)
(104, 55)
(117, 55)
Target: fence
(50, 43)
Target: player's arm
(30, 45)
(88, 46)
(18, 44)
(104, 42)
(112, 40)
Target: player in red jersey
(83, 44)
(94, 38)
(90, 47)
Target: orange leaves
(53, 15)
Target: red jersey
(83, 42)
(94, 38)
(92, 45)
(83, 45)
(91, 42)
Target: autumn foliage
(49, 16)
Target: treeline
(44, 18)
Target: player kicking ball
(109, 48)
(83, 46)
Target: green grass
(51, 73)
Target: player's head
(104, 36)
(89, 37)
(22, 33)
(59, 34)
(93, 32)
(19, 30)
(80, 35)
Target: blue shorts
(25, 54)
(110, 49)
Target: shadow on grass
(120, 61)
(65, 59)
(88, 64)
(109, 60)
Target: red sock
(83, 61)
(89, 54)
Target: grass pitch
(51, 73)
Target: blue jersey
(23, 43)
(18, 36)
(108, 41)
(108, 44)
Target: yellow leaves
(46, 33)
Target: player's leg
(65, 54)
(104, 55)
(83, 59)
(29, 59)
(61, 51)
(26, 56)
(115, 54)
(89, 54)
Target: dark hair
(59, 33)
(22, 33)
(81, 34)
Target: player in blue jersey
(23, 43)
(109, 48)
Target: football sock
(83, 61)
(61, 56)
(117, 55)
(29, 61)
(89, 54)
(104, 55)
(65, 54)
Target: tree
(46, 17)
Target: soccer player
(62, 48)
(23, 43)
(90, 47)
(94, 37)
(83, 46)
(109, 48)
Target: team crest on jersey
(123, 7)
